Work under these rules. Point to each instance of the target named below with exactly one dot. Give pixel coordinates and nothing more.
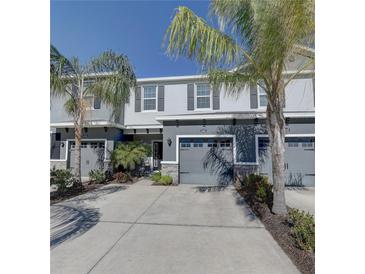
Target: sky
(85, 29)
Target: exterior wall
(112, 135)
(105, 113)
(147, 138)
(299, 97)
(244, 130)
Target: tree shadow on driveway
(73, 217)
(70, 222)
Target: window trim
(196, 97)
(156, 99)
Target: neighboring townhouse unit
(199, 134)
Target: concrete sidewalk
(155, 229)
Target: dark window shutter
(97, 102)
(284, 103)
(253, 96)
(55, 146)
(137, 100)
(161, 98)
(215, 98)
(190, 96)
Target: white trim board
(88, 124)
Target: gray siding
(299, 97)
(112, 135)
(244, 130)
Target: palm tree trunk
(78, 135)
(276, 131)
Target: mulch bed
(279, 228)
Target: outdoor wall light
(62, 144)
(169, 141)
(85, 129)
(105, 129)
(66, 129)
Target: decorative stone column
(172, 170)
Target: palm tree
(130, 154)
(254, 40)
(108, 77)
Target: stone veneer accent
(58, 164)
(172, 170)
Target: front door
(157, 155)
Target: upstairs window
(203, 96)
(262, 97)
(149, 98)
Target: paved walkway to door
(155, 229)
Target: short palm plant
(130, 154)
(252, 45)
(108, 77)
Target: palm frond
(234, 81)
(60, 70)
(237, 16)
(190, 36)
(114, 77)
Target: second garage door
(196, 167)
(299, 160)
(92, 156)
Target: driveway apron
(156, 229)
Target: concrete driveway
(301, 198)
(155, 229)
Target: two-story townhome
(198, 134)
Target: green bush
(165, 180)
(130, 154)
(303, 229)
(259, 187)
(62, 178)
(156, 176)
(98, 176)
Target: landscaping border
(279, 228)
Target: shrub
(130, 154)
(156, 176)
(259, 187)
(63, 179)
(97, 175)
(165, 180)
(303, 229)
(122, 177)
